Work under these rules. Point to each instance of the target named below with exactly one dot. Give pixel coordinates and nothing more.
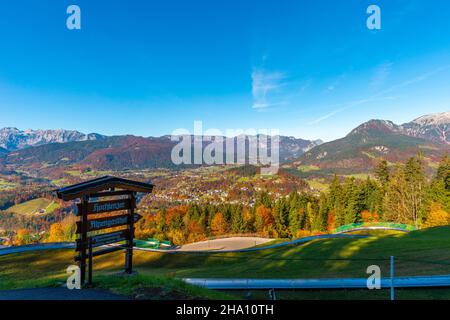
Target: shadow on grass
(326, 258)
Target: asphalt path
(58, 294)
(259, 248)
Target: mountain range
(14, 139)
(359, 151)
(122, 152)
(365, 145)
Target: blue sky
(311, 69)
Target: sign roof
(102, 184)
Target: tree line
(399, 193)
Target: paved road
(36, 247)
(236, 244)
(59, 294)
(225, 244)
(282, 244)
(243, 284)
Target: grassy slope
(33, 206)
(156, 288)
(428, 245)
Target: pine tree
(336, 201)
(382, 173)
(237, 220)
(281, 215)
(443, 171)
(294, 221)
(439, 191)
(322, 216)
(415, 179)
(263, 198)
(406, 194)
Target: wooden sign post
(98, 216)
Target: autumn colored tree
(23, 237)
(196, 232)
(177, 236)
(406, 194)
(437, 216)
(264, 220)
(249, 219)
(219, 225)
(368, 216)
(331, 221)
(56, 233)
(69, 227)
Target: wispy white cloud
(381, 95)
(264, 86)
(349, 105)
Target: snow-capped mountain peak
(434, 119)
(435, 127)
(14, 139)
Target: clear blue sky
(308, 68)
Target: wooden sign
(106, 223)
(106, 206)
(104, 239)
(101, 188)
(99, 253)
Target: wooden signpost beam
(90, 262)
(130, 240)
(83, 237)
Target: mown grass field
(33, 206)
(425, 252)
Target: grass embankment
(156, 288)
(136, 286)
(417, 253)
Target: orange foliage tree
(218, 224)
(23, 237)
(331, 221)
(367, 216)
(437, 216)
(56, 233)
(264, 220)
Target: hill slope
(423, 252)
(35, 206)
(124, 152)
(364, 146)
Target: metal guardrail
(345, 283)
(372, 228)
(385, 225)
